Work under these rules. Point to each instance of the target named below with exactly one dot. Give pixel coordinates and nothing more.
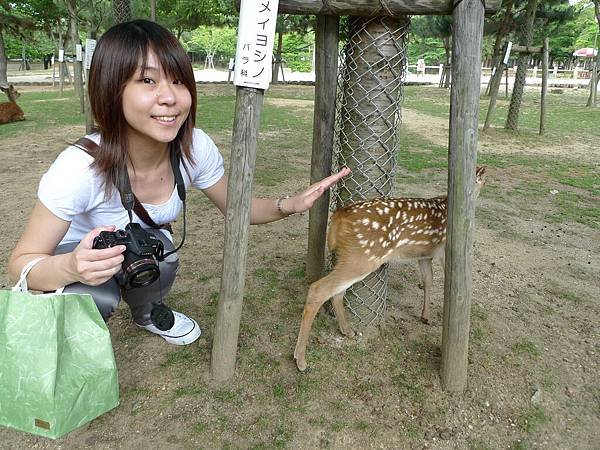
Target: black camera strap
(128, 198)
(175, 160)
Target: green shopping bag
(57, 367)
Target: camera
(142, 253)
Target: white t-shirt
(73, 191)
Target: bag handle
(21, 285)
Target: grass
(532, 419)
(563, 111)
(45, 110)
(526, 346)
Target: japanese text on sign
(256, 34)
(90, 45)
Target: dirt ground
(534, 359)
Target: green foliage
(587, 28)
(297, 51)
(427, 38)
(187, 15)
(36, 46)
(218, 41)
(429, 48)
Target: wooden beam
(527, 49)
(374, 7)
(462, 157)
(326, 62)
(239, 196)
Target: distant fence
(576, 73)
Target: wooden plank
(237, 220)
(544, 87)
(527, 49)
(494, 87)
(326, 58)
(374, 7)
(464, 113)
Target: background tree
(12, 21)
(555, 19)
(438, 28)
(213, 42)
(596, 67)
(525, 40)
(75, 40)
(500, 26)
(187, 15)
(288, 23)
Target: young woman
(143, 98)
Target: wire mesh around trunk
(367, 131)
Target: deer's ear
(480, 172)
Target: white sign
(256, 34)
(61, 55)
(90, 45)
(507, 53)
(79, 52)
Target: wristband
(279, 205)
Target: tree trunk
(77, 65)
(498, 46)
(596, 65)
(512, 120)
(121, 11)
(3, 60)
(369, 112)
(448, 64)
(277, 62)
(153, 10)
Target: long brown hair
(117, 57)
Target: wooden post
(248, 106)
(544, 86)
(494, 88)
(327, 38)
(464, 112)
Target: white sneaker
(184, 331)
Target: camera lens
(142, 272)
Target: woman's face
(155, 106)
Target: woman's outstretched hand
(304, 200)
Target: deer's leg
(427, 277)
(340, 314)
(319, 292)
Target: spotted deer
(369, 233)
(10, 111)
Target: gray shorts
(140, 300)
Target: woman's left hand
(304, 200)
